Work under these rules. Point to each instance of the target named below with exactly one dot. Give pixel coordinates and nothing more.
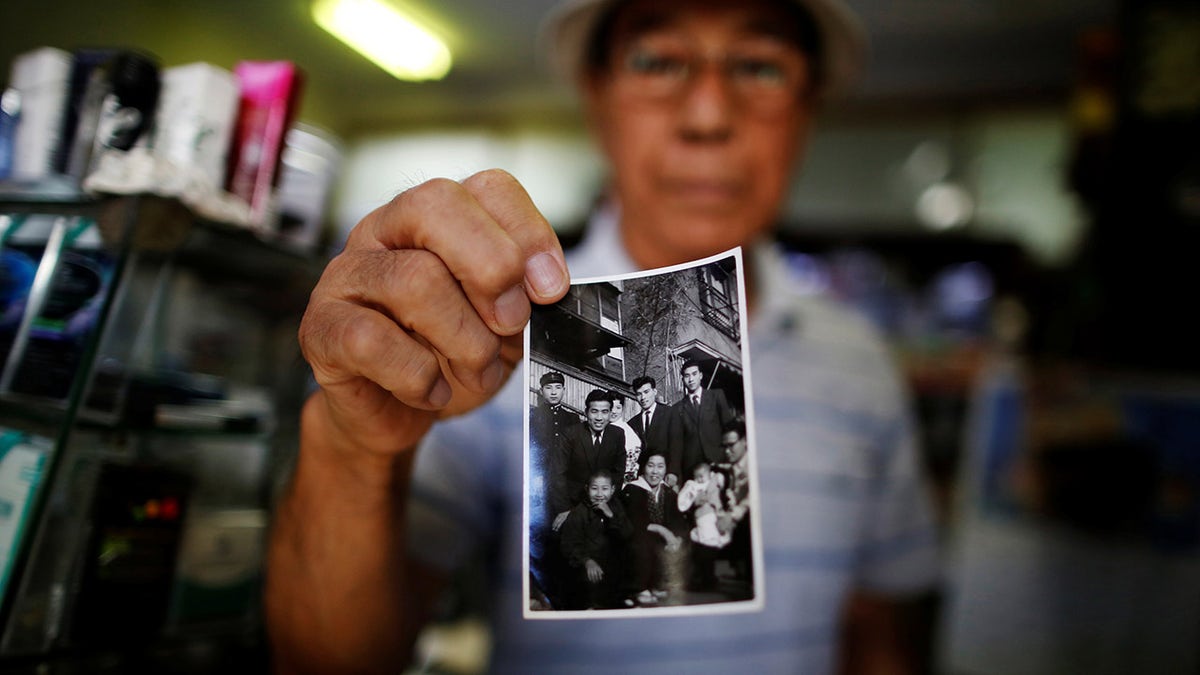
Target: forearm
(874, 639)
(339, 596)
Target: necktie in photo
(595, 439)
(646, 421)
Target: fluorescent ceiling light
(387, 37)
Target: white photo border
(758, 598)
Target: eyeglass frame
(745, 72)
(798, 32)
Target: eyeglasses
(763, 76)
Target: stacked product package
(114, 121)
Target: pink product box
(269, 96)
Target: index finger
(490, 237)
(501, 195)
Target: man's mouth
(703, 190)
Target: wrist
(327, 451)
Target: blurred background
(1012, 196)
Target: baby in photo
(702, 495)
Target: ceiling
(924, 52)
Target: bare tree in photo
(656, 314)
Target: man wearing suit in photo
(653, 425)
(699, 420)
(736, 499)
(595, 444)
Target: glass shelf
(187, 297)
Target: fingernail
(493, 376)
(439, 396)
(545, 274)
(512, 309)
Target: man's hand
(420, 316)
(594, 573)
(559, 520)
(670, 541)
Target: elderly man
(702, 109)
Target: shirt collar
(601, 252)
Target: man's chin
(705, 235)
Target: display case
(150, 385)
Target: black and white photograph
(640, 488)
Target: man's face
(735, 445)
(646, 395)
(691, 378)
(600, 490)
(702, 110)
(599, 413)
(656, 468)
(552, 393)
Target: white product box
(43, 78)
(197, 109)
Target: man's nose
(708, 105)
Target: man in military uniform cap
(548, 424)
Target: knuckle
(364, 233)
(335, 270)
(491, 179)
(479, 349)
(420, 275)
(358, 337)
(401, 366)
(413, 374)
(428, 196)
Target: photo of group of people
(639, 493)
